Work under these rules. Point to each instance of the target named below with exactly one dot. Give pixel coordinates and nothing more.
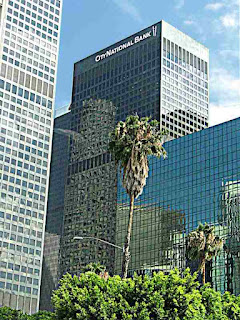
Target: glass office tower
(90, 190)
(198, 182)
(55, 208)
(29, 31)
(158, 71)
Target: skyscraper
(158, 71)
(90, 190)
(55, 208)
(29, 44)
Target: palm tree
(131, 143)
(203, 245)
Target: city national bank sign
(137, 39)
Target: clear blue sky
(90, 25)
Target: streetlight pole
(100, 240)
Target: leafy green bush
(160, 297)
(172, 297)
(42, 315)
(10, 314)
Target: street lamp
(100, 240)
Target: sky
(91, 25)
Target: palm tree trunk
(203, 271)
(126, 253)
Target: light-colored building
(29, 44)
(184, 106)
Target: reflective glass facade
(55, 209)
(90, 190)
(198, 182)
(29, 45)
(158, 72)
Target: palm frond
(203, 244)
(131, 143)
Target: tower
(159, 72)
(29, 44)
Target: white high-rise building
(29, 44)
(184, 93)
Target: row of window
(19, 278)
(21, 164)
(10, 124)
(23, 211)
(39, 46)
(29, 223)
(35, 8)
(184, 104)
(34, 98)
(27, 27)
(32, 30)
(19, 248)
(23, 58)
(26, 148)
(29, 13)
(28, 68)
(181, 126)
(204, 105)
(111, 80)
(18, 238)
(25, 121)
(185, 58)
(16, 288)
(168, 108)
(30, 82)
(29, 261)
(16, 278)
(181, 95)
(25, 112)
(175, 85)
(182, 72)
(185, 90)
(120, 85)
(197, 80)
(28, 192)
(28, 141)
(23, 201)
(20, 229)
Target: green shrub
(10, 314)
(171, 297)
(160, 297)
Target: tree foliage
(169, 297)
(42, 315)
(98, 268)
(10, 314)
(203, 245)
(131, 143)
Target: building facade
(90, 190)
(198, 182)
(29, 44)
(158, 71)
(55, 209)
